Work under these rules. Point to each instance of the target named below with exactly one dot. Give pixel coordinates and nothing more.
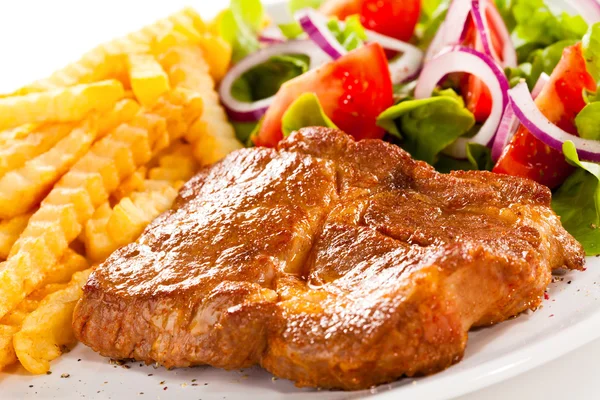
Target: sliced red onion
(510, 123)
(451, 31)
(588, 9)
(271, 35)
(402, 68)
(315, 26)
(478, 9)
(463, 59)
(539, 85)
(253, 111)
(535, 122)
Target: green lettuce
(262, 81)
(588, 119)
(427, 126)
(305, 111)
(352, 35)
(591, 50)
(292, 30)
(433, 13)
(240, 25)
(577, 201)
(538, 26)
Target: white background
(37, 37)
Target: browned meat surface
(328, 262)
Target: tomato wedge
(560, 101)
(394, 18)
(353, 90)
(477, 96)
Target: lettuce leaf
(305, 111)
(591, 50)
(292, 30)
(538, 26)
(428, 125)
(240, 24)
(264, 80)
(577, 201)
(588, 121)
(352, 36)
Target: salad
(509, 86)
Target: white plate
(568, 319)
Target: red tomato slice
(477, 96)
(353, 91)
(560, 101)
(394, 18)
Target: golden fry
(211, 134)
(16, 152)
(10, 230)
(59, 105)
(47, 329)
(148, 80)
(7, 351)
(72, 202)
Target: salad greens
(352, 36)
(240, 24)
(540, 35)
(479, 158)
(577, 201)
(305, 111)
(430, 125)
(292, 30)
(265, 79)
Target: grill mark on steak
(330, 262)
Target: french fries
(148, 80)
(212, 135)
(88, 158)
(10, 230)
(46, 330)
(21, 190)
(59, 105)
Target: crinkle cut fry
(12, 322)
(106, 61)
(22, 189)
(113, 227)
(74, 199)
(212, 135)
(16, 152)
(10, 230)
(59, 105)
(47, 329)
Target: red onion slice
(535, 122)
(315, 26)
(588, 9)
(479, 10)
(463, 59)
(451, 31)
(271, 35)
(249, 112)
(403, 68)
(510, 123)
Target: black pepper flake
(65, 375)
(162, 383)
(206, 384)
(141, 392)
(30, 386)
(194, 384)
(165, 388)
(150, 374)
(79, 359)
(568, 283)
(48, 372)
(194, 380)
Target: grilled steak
(329, 262)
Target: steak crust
(329, 262)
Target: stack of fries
(88, 158)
